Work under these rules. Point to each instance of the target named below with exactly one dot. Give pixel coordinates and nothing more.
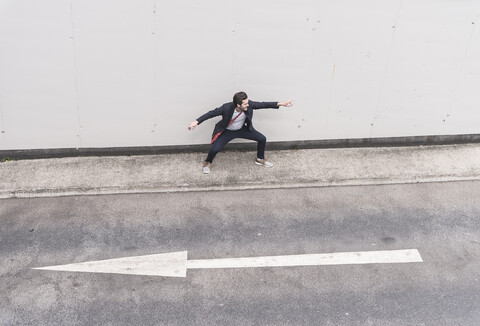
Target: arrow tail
(339, 258)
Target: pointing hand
(193, 125)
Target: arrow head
(169, 264)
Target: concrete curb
(50, 193)
(236, 171)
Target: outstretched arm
(269, 105)
(206, 116)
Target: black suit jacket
(226, 111)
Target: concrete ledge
(22, 154)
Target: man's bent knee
(216, 148)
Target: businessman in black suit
(237, 123)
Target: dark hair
(239, 97)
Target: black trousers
(229, 135)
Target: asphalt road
(441, 220)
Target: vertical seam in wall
(2, 124)
(310, 72)
(154, 74)
(462, 64)
(310, 89)
(330, 93)
(387, 65)
(235, 40)
(75, 72)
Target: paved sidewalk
(236, 170)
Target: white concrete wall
(108, 73)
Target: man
(237, 123)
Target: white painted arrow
(176, 264)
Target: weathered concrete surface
(236, 170)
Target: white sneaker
(263, 162)
(206, 167)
